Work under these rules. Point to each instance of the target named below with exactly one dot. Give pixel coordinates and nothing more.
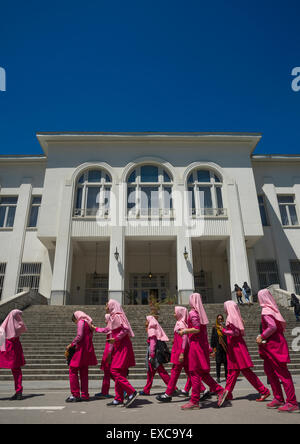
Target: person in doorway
(105, 364)
(11, 352)
(199, 352)
(239, 294)
(155, 333)
(238, 356)
(296, 304)
(274, 351)
(219, 345)
(83, 358)
(247, 293)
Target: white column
(185, 270)
(117, 267)
(60, 291)
(236, 246)
(15, 253)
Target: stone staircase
(50, 330)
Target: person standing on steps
(239, 294)
(179, 355)
(219, 345)
(155, 333)
(199, 352)
(105, 365)
(238, 356)
(274, 351)
(83, 358)
(247, 293)
(120, 356)
(296, 304)
(11, 352)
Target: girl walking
(83, 358)
(199, 352)
(155, 333)
(219, 345)
(238, 356)
(105, 365)
(11, 352)
(179, 355)
(274, 351)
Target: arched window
(205, 193)
(92, 197)
(149, 192)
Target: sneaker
(190, 406)
(275, 404)
(101, 396)
(184, 393)
(115, 403)
(130, 400)
(164, 398)
(85, 399)
(176, 393)
(222, 398)
(73, 399)
(205, 395)
(289, 408)
(142, 393)
(17, 397)
(263, 397)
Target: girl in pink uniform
(11, 352)
(238, 356)
(155, 333)
(83, 358)
(120, 355)
(105, 365)
(179, 356)
(274, 351)
(199, 352)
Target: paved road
(44, 404)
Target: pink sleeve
(153, 341)
(231, 331)
(80, 330)
(271, 329)
(122, 334)
(185, 340)
(102, 330)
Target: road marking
(33, 408)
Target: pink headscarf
(108, 321)
(12, 327)
(234, 315)
(182, 318)
(196, 304)
(118, 317)
(269, 306)
(155, 329)
(81, 316)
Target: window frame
(286, 206)
(8, 206)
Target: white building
(135, 215)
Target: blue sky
(157, 65)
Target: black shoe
(164, 398)
(176, 393)
(206, 395)
(130, 400)
(115, 403)
(73, 399)
(17, 397)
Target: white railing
(282, 297)
(21, 301)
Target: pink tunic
(85, 353)
(13, 357)
(276, 349)
(107, 350)
(237, 352)
(122, 353)
(198, 345)
(180, 345)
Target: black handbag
(162, 352)
(69, 354)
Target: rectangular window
(34, 211)
(8, 206)
(295, 270)
(267, 273)
(93, 200)
(30, 277)
(263, 211)
(2, 275)
(288, 211)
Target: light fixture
(185, 254)
(117, 254)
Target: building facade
(136, 216)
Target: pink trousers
(175, 373)
(18, 377)
(250, 376)
(276, 374)
(74, 373)
(121, 383)
(106, 380)
(197, 386)
(150, 377)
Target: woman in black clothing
(296, 304)
(219, 345)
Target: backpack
(162, 353)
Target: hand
(181, 358)
(259, 340)
(182, 332)
(212, 355)
(68, 347)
